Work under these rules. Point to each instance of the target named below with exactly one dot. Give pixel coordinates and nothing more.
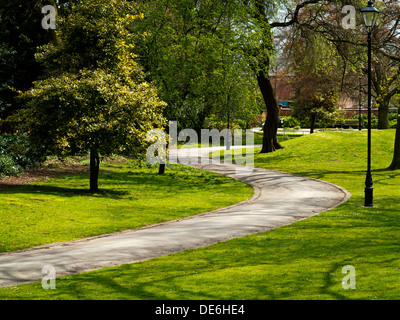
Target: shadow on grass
(64, 191)
(254, 267)
(330, 281)
(114, 184)
(256, 276)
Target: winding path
(280, 199)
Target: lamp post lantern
(370, 15)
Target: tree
(93, 97)
(21, 34)
(260, 15)
(390, 47)
(183, 48)
(317, 76)
(257, 46)
(183, 53)
(316, 106)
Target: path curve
(280, 199)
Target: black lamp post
(370, 15)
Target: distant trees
(189, 51)
(204, 57)
(93, 96)
(189, 43)
(21, 34)
(386, 71)
(317, 77)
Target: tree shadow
(329, 282)
(64, 191)
(116, 185)
(80, 180)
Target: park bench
(338, 124)
(353, 124)
(348, 124)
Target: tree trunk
(383, 115)
(94, 170)
(161, 168)
(396, 156)
(312, 124)
(270, 139)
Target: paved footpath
(280, 199)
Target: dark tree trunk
(383, 115)
(312, 126)
(396, 156)
(94, 170)
(270, 139)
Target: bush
(8, 166)
(213, 123)
(393, 124)
(374, 123)
(241, 123)
(291, 122)
(16, 154)
(364, 117)
(393, 116)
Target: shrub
(393, 116)
(213, 123)
(241, 123)
(8, 166)
(291, 122)
(16, 154)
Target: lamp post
(370, 15)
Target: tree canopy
(94, 96)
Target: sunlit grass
(300, 261)
(62, 209)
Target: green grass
(62, 209)
(300, 261)
(258, 138)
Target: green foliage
(8, 167)
(291, 122)
(241, 123)
(393, 116)
(318, 107)
(94, 95)
(214, 123)
(16, 154)
(374, 120)
(317, 80)
(190, 51)
(21, 34)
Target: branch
(295, 14)
(391, 56)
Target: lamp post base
(369, 191)
(368, 197)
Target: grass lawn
(258, 137)
(62, 209)
(300, 261)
